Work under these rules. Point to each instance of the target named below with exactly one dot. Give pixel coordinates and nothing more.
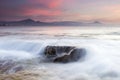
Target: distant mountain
(27, 21)
(30, 22)
(66, 23)
(97, 22)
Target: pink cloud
(48, 3)
(37, 12)
(55, 3)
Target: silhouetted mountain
(30, 22)
(66, 23)
(97, 22)
(27, 21)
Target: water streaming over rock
(26, 53)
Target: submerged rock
(9, 66)
(64, 54)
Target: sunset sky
(61, 10)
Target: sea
(24, 46)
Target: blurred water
(101, 43)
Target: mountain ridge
(30, 22)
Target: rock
(64, 54)
(75, 55)
(18, 68)
(5, 66)
(9, 66)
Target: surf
(101, 60)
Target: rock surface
(9, 66)
(64, 54)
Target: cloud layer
(57, 10)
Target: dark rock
(64, 54)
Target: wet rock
(5, 66)
(9, 66)
(64, 54)
(17, 68)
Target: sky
(61, 10)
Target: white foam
(101, 61)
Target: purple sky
(61, 10)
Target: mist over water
(25, 46)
